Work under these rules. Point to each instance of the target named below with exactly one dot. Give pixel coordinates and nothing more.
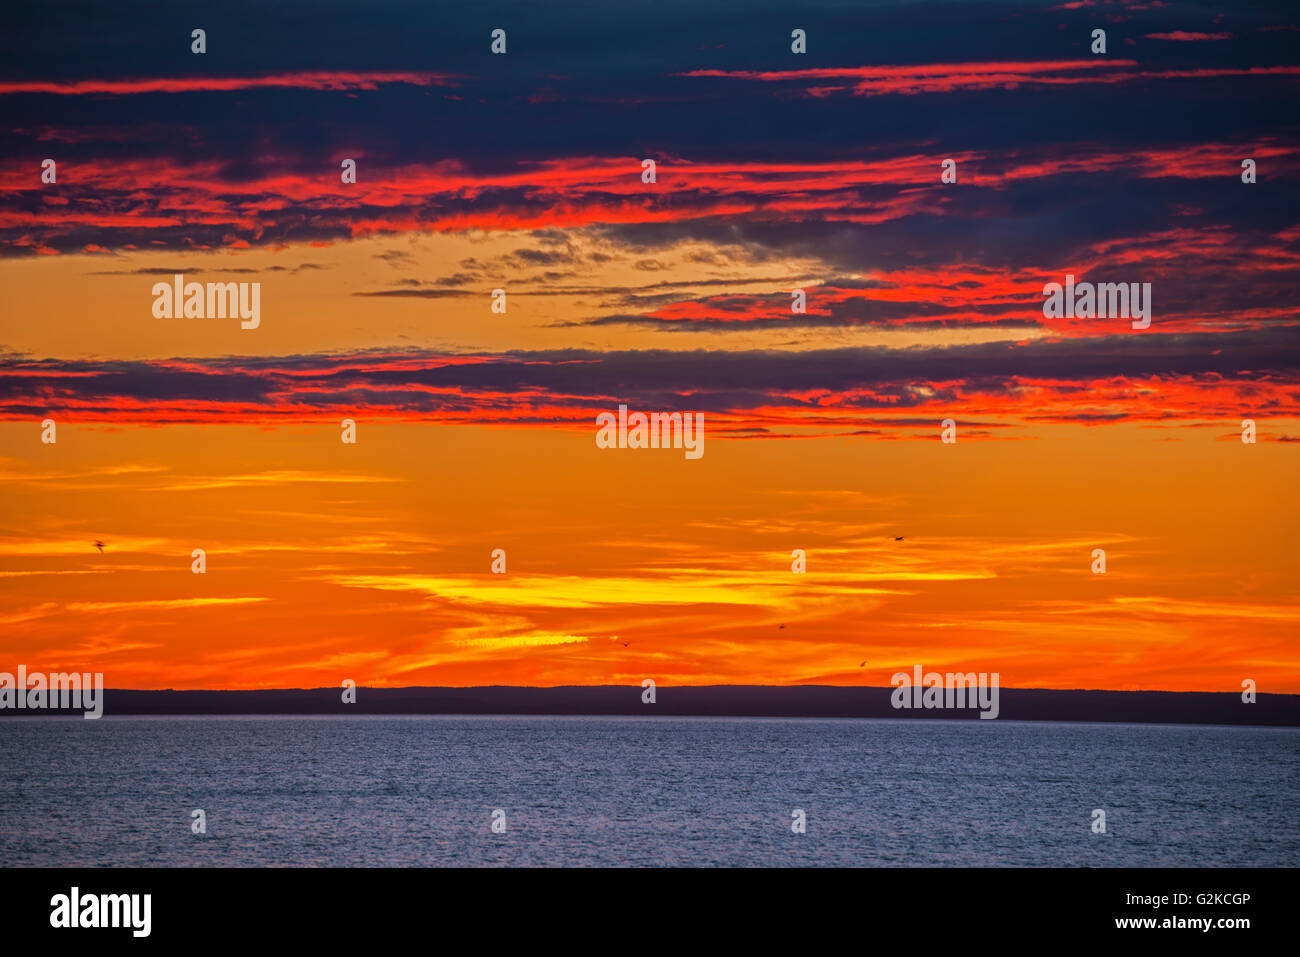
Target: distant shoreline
(786, 701)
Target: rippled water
(642, 791)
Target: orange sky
(371, 562)
(476, 430)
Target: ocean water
(586, 791)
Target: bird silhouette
(898, 538)
(780, 626)
(100, 546)
(626, 643)
(861, 664)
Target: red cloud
(304, 80)
(1185, 36)
(948, 77)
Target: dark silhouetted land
(799, 701)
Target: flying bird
(898, 538)
(780, 626)
(100, 546)
(862, 664)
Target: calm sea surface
(346, 791)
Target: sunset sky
(476, 430)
